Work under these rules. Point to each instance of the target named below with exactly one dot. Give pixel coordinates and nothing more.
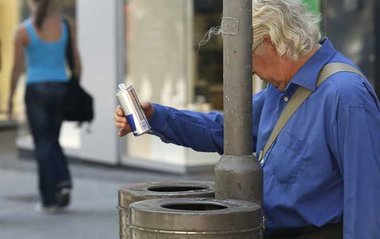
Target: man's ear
(268, 44)
(267, 40)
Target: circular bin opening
(174, 188)
(194, 206)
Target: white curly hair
(292, 28)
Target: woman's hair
(293, 30)
(43, 9)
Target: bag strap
(69, 49)
(300, 96)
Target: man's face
(267, 64)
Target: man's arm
(359, 161)
(199, 131)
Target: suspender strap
(300, 96)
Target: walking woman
(41, 41)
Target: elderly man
(322, 172)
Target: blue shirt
(45, 61)
(324, 166)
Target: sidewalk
(92, 214)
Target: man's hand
(122, 123)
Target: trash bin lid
(152, 190)
(195, 215)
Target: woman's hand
(122, 123)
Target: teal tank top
(45, 61)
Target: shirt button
(286, 99)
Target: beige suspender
(300, 96)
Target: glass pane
(208, 86)
(166, 65)
(163, 57)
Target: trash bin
(153, 190)
(187, 218)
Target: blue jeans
(44, 103)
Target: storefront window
(208, 85)
(163, 57)
(166, 65)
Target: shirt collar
(307, 75)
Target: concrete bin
(186, 218)
(155, 190)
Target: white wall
(97, 34)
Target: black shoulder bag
(78, 104)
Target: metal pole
(238, 175)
